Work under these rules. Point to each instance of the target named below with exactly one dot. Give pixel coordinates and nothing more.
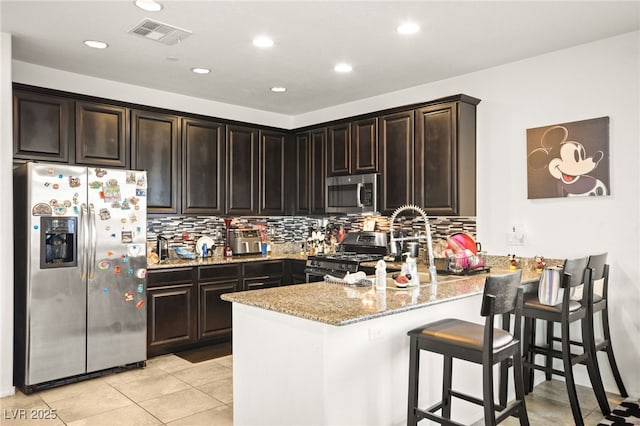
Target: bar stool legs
(475, 343)
(606, 345)
(414, 374)
(575, 273)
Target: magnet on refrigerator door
(74, 181)
(134, 249)
(41, 209)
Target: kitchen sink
(425, 279)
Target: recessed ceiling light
(96, 44)
(201, 70)
(149, 5)
(408, 28)
(342, 68)
(262, 41)
(278, 89)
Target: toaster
(245, 241)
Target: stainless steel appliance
(80, 272)
(356, 248)
(352, 194)
(162, 248)
(245, 241)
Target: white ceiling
(456, 37)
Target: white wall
(6, 220)
(588, 81)
(593, 80)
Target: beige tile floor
(173, 391)
(168, 391)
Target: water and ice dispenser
(58, 242)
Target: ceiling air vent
(157, 31)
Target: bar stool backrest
(576, 273)
(500, 294)
(575, 268)
(600, 268)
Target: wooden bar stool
(475, 343)
(598, 263)
(575, 273)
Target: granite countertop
(182, 263)
(338, 304)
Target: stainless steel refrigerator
(80, 272)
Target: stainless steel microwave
(352, 194)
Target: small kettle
(162, 248)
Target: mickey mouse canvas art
(569, 159)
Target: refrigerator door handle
(92, 241)
(84, 235)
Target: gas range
(337, 265)
(357, 247)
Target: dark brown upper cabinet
(242, 170)
(302, 178)
(155, 146)
(395, 144)
(318, 170)
(272, 173)
(42, 126)
(102, 134)
(310, 171)
(203, 156)
(445, 178)
(339, 150)
(364, 146)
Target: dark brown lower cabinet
(214, 319)
(171, 307)
(184, 305)
(257, 275)
(297, 274)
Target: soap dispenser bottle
(381, 275)
(412, 269)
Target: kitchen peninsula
(328, 354)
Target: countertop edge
(213, 261)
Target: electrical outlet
(375, 333)
(515, 236)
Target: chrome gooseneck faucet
(421, 212)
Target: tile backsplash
(288, 233)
